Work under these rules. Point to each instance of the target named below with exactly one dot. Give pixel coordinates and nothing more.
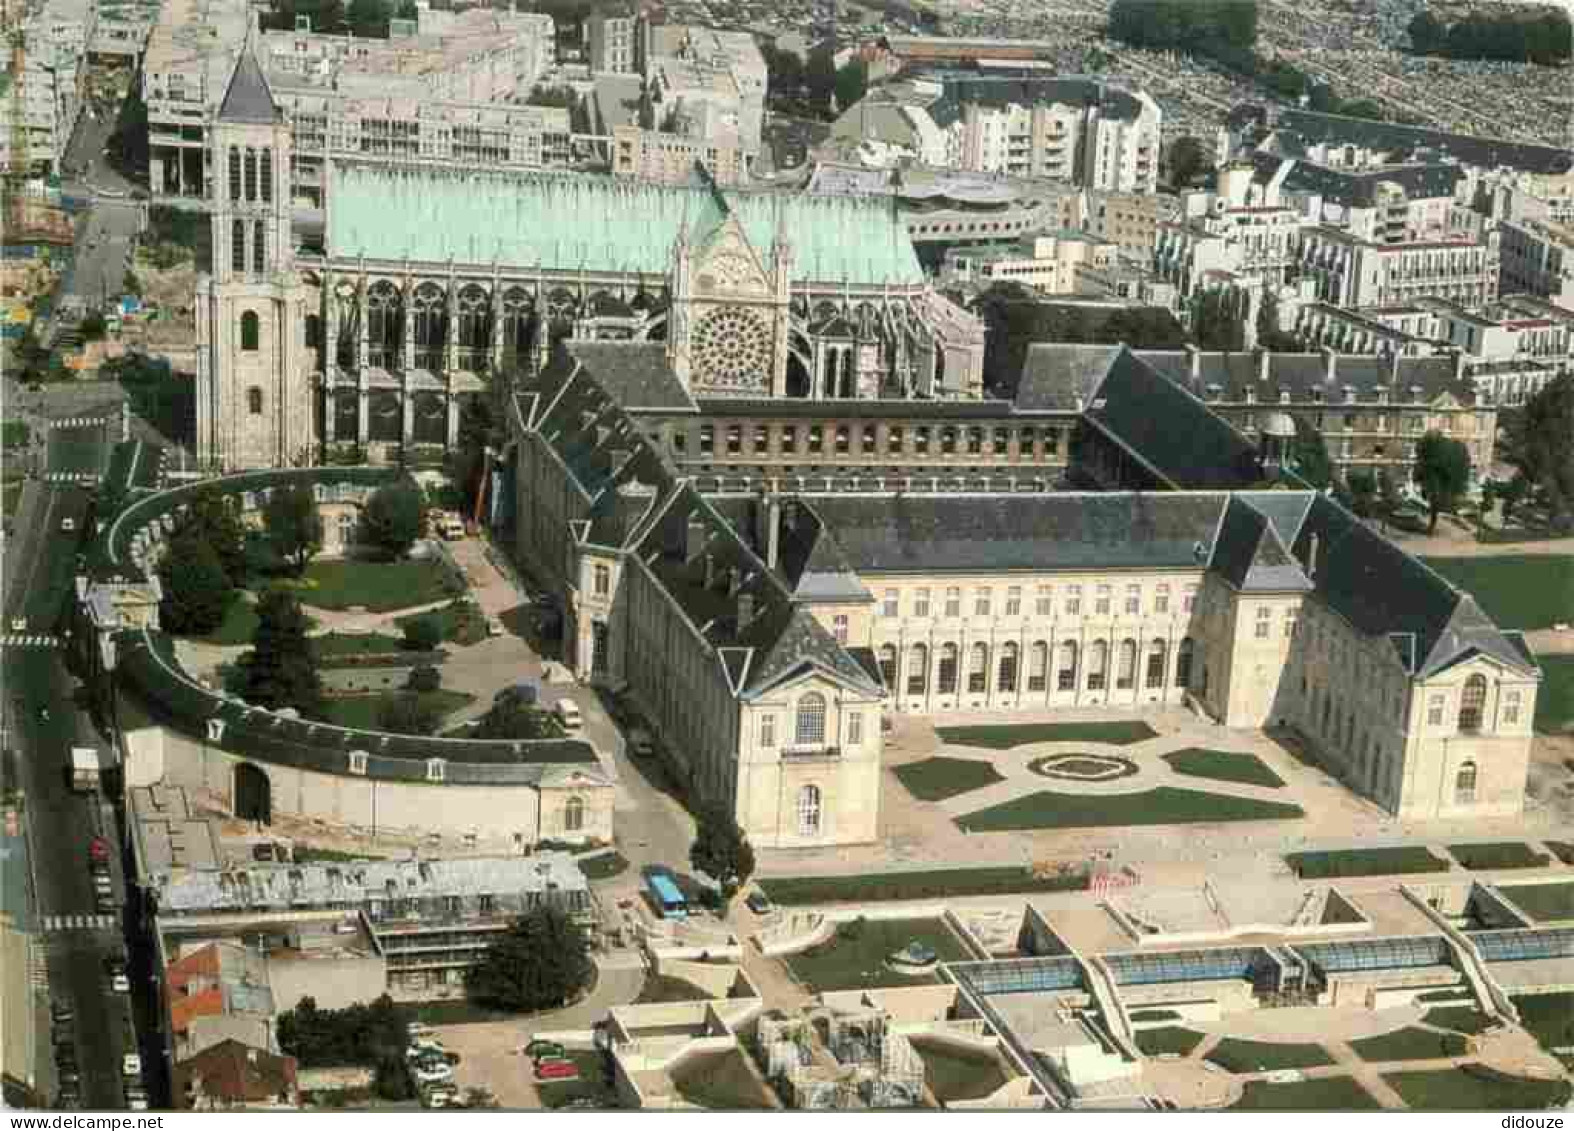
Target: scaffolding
(868, 1064)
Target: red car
(557, 1070)
(98, 849)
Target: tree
(784, 70)
(210, 518)
(409, 713)
(196, 590)
(1363, 492)
(368, 18)
(394, 518)
(852, 81)
(1427, 32)
(1187, 159)
(422, 633)
(1442, 471)
(541, 962)
(510, 717)
(425, 678)
(557, 97)
(1219, 319)
(1269, 336)
(721, 850)
(1309, 456)
(93, 327)
(281, 668)
(293, 525)
(1545, 452)
(820, 77)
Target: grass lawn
(870, 887)
(604, 867)
(355, 644)
(14, 434)
(1475, 1088)
(723, 1082)
(239, 624)
(1460, 1018)
(956, 1073)
(310, 854)
(11, 495)
(1555, 697)
(1550, 1019)
(1247, 769)
(1409, 1043)
(1542, 902)
(378, 586)
(1364, 862)
(1328, 1093)
(854, 957)
(1161, 806)
(460, 623)
(1517, 591)
(594, 1083)
(1004, 737)
(1167, 1039)
(1501, 854)
(1240, 1056)
(360, 712)
(1153, 1015)
(935, 779)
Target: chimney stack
(1194, 363)
(745, 610)
(1263, 357)
(710, 571)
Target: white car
(120, 984)
(68, 524)
(431, 1072)
(131, 1065)
(18, 624)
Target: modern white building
(1353, 272)
(1538, 259)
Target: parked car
(68, 524)
(131, 1065)
(557, 1070)
(18, 624)
(98, 849)
(539, 1048)
(61, 1013)
(119, 982)
(66, 1054)
(640, 742)
(759, 903)
(431, 1072)
(567, 712)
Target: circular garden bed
(1083, 767)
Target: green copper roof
(584, 222)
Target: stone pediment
(728, 265)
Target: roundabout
(1082, 767)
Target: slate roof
(1055, 376)
(247, 99)
(1249, 554)
(1489, 153)
(637, 374)
(1041, 532)
(1357, 188)
(1168, 430)
(1383, 591)
(1304, 374)
(828, 408)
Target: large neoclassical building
(768, 601)
(356, 332)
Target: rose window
(732, 347)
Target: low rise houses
(1049, 262)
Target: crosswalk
(84, 422)
(38, 970)
(80, 922)
(23, 640)
(70, 476)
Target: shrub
(422, 634)
(426, 678)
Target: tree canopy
(196, 591)
(1219, 319)
(1442, 471)
(1519, 36)
(422, 633)
(210, 517)
(852, 80)
(1309, 456)
(409, 713)
(293, 524)
(394, 518)
(819, 75)
(281, 668)
(721, 849)
(1188, 159)
(1185, 25)
(511, 717)
(1540, 444)
(541, 962)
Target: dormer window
(1251, 395)
(1284, 396)
(1214, 392)
(1349, 394)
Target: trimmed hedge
(1363, 862)
(867, 888)
(1500, 854)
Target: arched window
(267, 175)
(384, 325)
(978, 669)
(1183, 662)
(1007, 679)
(888, 666)
(1472, 702)
(254, 401)
(429, 310)
(1038, 667)
(250, 331)
(917, 670)
(1465, 784)
(1126, 665)
(810, 726)
(251, 174)
(1098, 665)
(809, 811)
(234, 170)
(1066, 678)
(947, 669)
(259, 248)
(574, 815)
(475, 328)
(1157, 652)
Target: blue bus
(665, 894)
